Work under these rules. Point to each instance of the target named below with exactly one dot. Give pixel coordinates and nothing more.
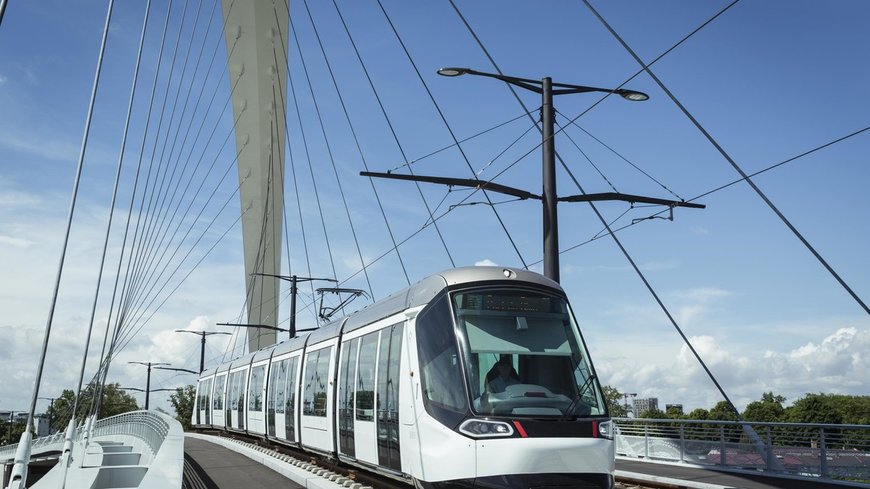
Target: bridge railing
(810, 450)
(147, 426)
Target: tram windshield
(524, 355)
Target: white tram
(475, 377)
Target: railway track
(362, 479)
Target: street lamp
(50, 405)
(202, 351)
(548, 197)
(548, 116)
(148, 381)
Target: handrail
(836, 451)
(149, 426)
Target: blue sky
(769, 80)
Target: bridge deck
(712, 478)
(220, 468)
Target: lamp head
(632, 95)
(453, 71)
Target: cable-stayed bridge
(223, 101)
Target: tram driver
(504, 375)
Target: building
(642, 405)
(20, 417)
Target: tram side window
(240, 390)
(365, 389)
(290, 399)
(316, 382)
(233, 400)
(206, 395)
(441, 373)
(276, 387)
(218, 402)
(345, 403)
(255, 388)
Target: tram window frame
(348, 369)
(438, 349)
(279, 386)
(218, 398)
(255, 388)
(365, 404)
(317, 383)
(290, 399)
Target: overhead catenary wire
(618, 155)
(731, 161)
(605, 223)
(327, 143)
(586, 157)
(395, 136)
(308, 157)
(362, 159)
(729, 184)
(450, 130)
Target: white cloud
(486, 262)
(14, 242)
(837, 364)
(3, 79)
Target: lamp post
(50, 404)
(202, 351)
(148, 379)
(548, 148)
(548, 197)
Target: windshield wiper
(577, 398)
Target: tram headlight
(479, 428)
(605, 429)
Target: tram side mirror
(522, 324)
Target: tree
(699, 414)
(723, 411)
(11, 432)
(115, 401)
(182, 400)
(814, 408)
(614, 402)
(653, 414)
(768, 409)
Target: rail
(839, 452)
(148, 426)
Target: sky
(768, 80)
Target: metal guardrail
(840, 452)
(148, 426)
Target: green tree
(723, 411)
(814, 408)
(182, 401)
(10, 432)
(614, 401)
(115, 401)
(653, 414)
(768, 409)
(699, 414)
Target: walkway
(222, 468)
